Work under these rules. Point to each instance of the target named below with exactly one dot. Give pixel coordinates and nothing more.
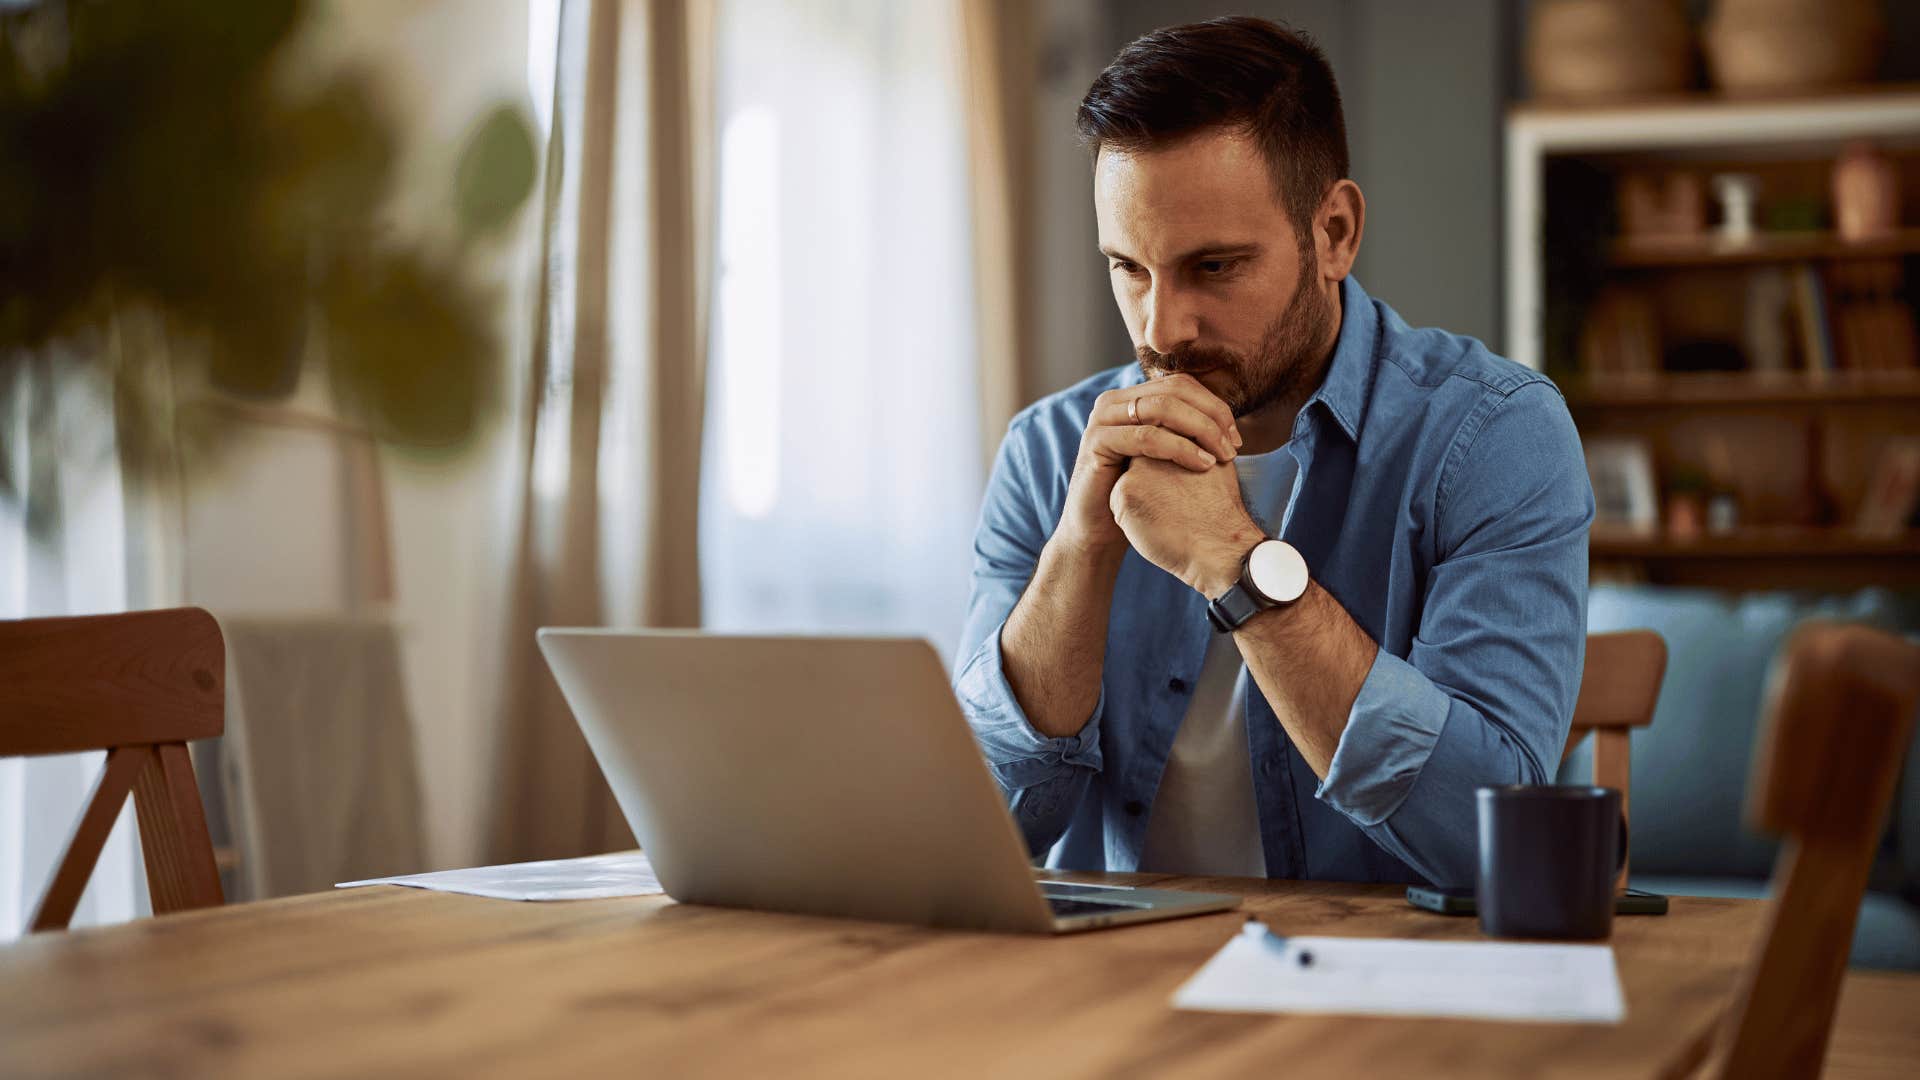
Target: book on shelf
(1853, 316)
(1816, 333)
(1848, 315)
(1621, 336)
(1768, 320)
(1875, 325)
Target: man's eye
(1216, 267)
(1125, 268)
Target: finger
(1148, 441)
(1172, 412)
(1195, 393)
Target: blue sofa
(1690, 767)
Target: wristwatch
(1272, 575)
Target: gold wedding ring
(1133, 410)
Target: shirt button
(1178, 686)
(1133, 807)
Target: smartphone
(1461, 902)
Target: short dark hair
(1239, 73)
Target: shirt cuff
(1018, 754)
(1390, 734)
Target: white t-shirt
(1203, 820)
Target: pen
(1261, 932)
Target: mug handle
(1620, 863)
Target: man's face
(1210, 272)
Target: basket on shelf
(1778, 46)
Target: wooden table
(386, 980)
(1876, 1035)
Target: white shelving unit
(1536, 132)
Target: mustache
(1187, 358)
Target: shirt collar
(1350, 374)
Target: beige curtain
(1001, 64)
(610, 451)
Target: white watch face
(1278, 571)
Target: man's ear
(1337, 228)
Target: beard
(1285, 366)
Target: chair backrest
(1618, 689)
(1840, 711)
(138, 686)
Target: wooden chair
(1617, 693)
(138, 686)
(1841, 710)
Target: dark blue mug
(1549, 855)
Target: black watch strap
(1231, 609)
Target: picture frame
(1893, 493)
(1625, 493)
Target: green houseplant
(174, 207)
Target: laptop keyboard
(1064, 907)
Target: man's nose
(1172, 320)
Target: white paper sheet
(626, 873)
(1259, 972)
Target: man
(1338, 722)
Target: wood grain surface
(392, 981)
(173, 833)
(1876, 1033)
(90, 681)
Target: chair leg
(173, 833)
(124, 764)
(1612, 767)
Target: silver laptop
(830, 776)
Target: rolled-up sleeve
(1486, 692)
(1043, 778)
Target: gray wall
(1423, 85)
(1077, 328)
(1424, 90)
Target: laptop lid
(808, 774)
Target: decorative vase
(1738, 193)
(1597, 49)
(1779, 46)
(1866, 194)
(1685, 515)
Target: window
(843, 467)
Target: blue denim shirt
(1442, 499)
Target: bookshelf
(1830, 559)
(1756, 543)
(1779, 247)
(1741, 389)
(1714, 570)
(1772, 377)
(1675, 128)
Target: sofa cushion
(1690, 767)
(1887, 935)
(1905, 823)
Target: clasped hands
(1155, 472)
